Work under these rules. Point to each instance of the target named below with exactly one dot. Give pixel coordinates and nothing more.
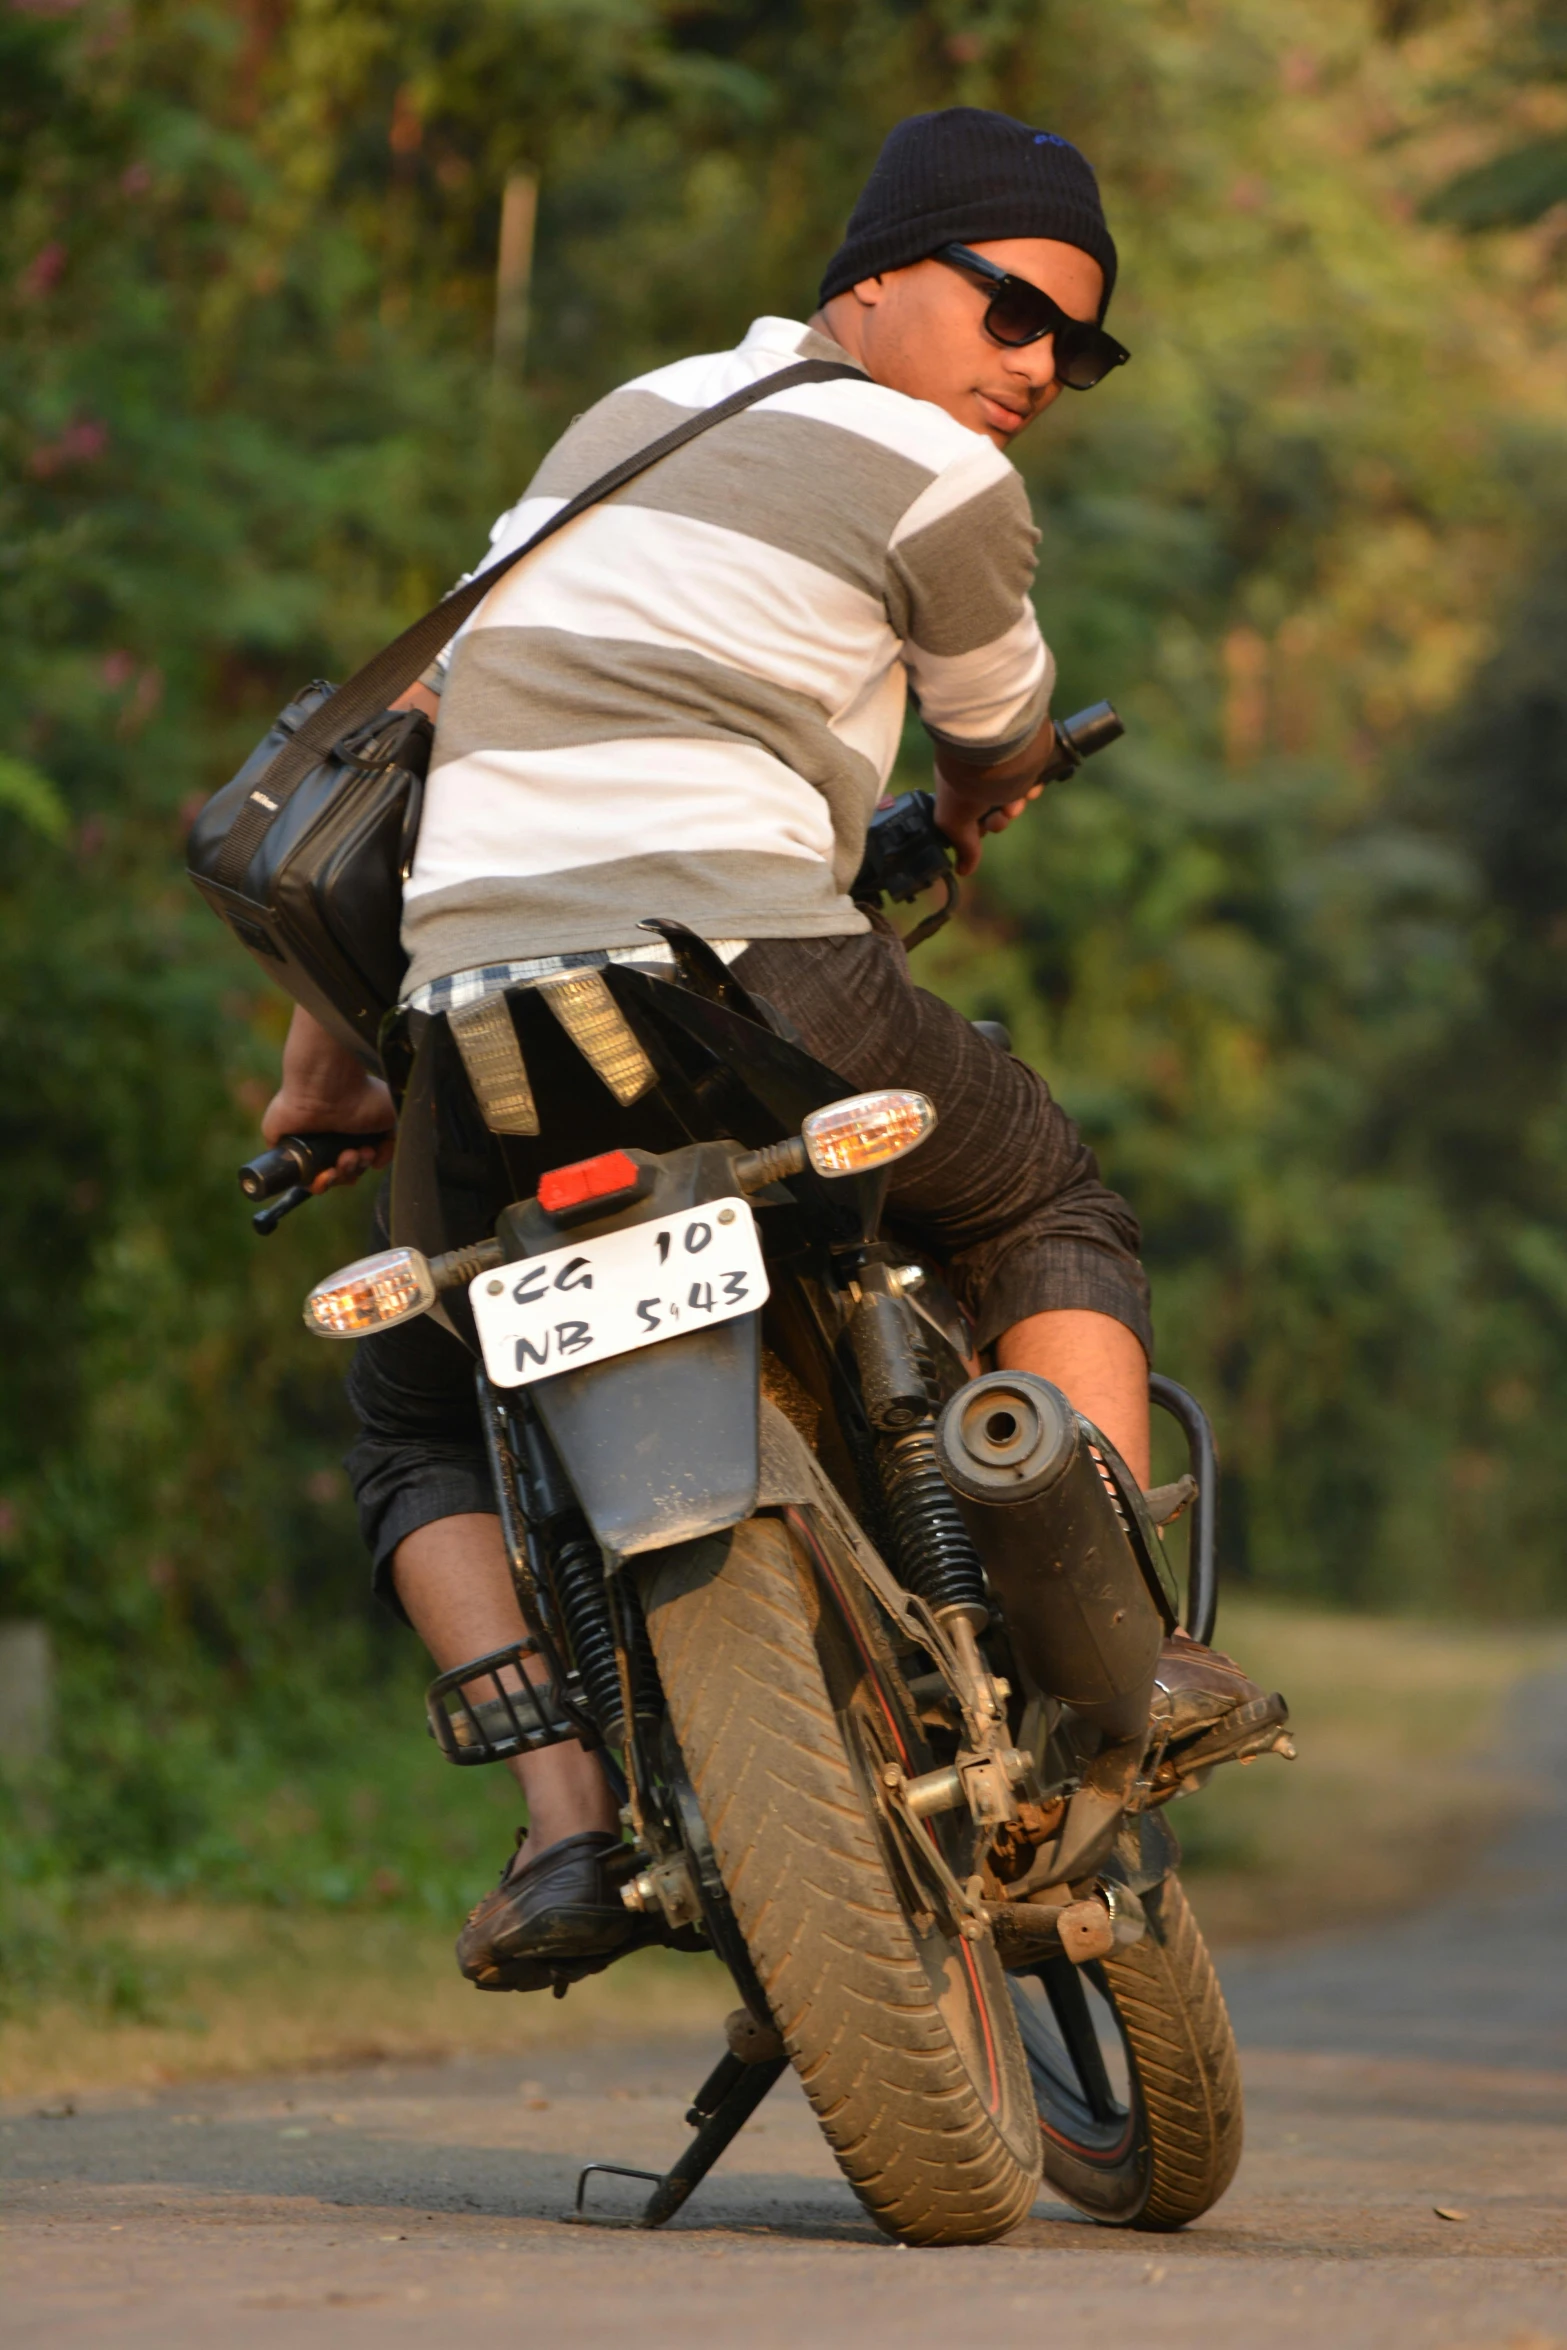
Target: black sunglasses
(1020, 313)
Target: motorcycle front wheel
(1135, 2074)
(904, 2037)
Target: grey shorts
(1005, 1192)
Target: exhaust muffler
(1032, 1485)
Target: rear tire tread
(1182, 2047)
(797, 1853)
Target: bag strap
(392, 670)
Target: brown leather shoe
(559, 1909)
(1206, 1710)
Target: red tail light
(602, 1178)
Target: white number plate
(626, 1289)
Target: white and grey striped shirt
(688, 703)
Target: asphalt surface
(1393, 2077)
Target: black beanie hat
(960, 177)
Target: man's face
(921, 330)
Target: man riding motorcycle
(686, 706)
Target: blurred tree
(251, 421)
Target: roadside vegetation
(1296, 955)
(310, 1916)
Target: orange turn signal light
(868, 1130)
(371, 1294)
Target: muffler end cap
(1006, 1436)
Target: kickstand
(720, 2110)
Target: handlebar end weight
(1093, 729)
(268, 1172)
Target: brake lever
(266, 1220)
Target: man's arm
(324, 1089)
(959, 571)
(973, 799)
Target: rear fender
(662, 1446)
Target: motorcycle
(867, 1642)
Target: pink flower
(42, 273)
(79, 444)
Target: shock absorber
(574, 1574)
(935, 1555)
(577, 1580)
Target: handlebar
(291, 1167)
(906, 852)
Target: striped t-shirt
(688, 703)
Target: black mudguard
(661, 1446)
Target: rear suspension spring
(934, 1554)
(577, 1574)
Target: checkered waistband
(471, 987)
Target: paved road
(1419, 2066)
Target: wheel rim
(967, 1982)
(955, 1971)
(1085, 2090)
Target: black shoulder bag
(305, 852)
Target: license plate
(626, 1289)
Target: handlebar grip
(1093, 729)
(297, 1160)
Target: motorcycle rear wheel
(907, 2045)
(1157, 2148)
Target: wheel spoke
(1069, 2005)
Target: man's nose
(1036, 363)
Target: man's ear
(869, 291)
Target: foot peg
(508, 1721)
(719, 2111)
(1250, 1730)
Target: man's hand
(419, 697)
(973, 798)
(965, 822)
(326, 1091)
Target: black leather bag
(305, 851)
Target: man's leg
(1097, 1362)
(456, 1587)
(1043, 1252)
(555, 1905)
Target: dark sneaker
(558, 1910)
(1206, 1710)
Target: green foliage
(1281, 956)
(26, 792)
(1509, 191)
(1523, 179)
